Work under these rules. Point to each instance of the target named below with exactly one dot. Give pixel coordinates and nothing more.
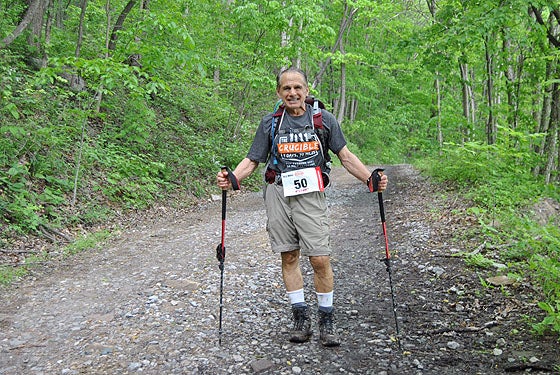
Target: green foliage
(497, 176)
(374, 143)
(547, 272)
(8, 274)
(132, 179)
(552, 321)
(498, 181)
(479, 261)
(87, 242)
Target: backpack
(321, 131)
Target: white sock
(296, 296)
(325, 301)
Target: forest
(109, 106)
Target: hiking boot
(301, 332)
(326, 328)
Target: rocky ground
(148, 301)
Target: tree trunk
(342, 99)
(119, 24)
(472, 100)
(99, 93)
(549, 114)
(513, 70)
(353, 109)
(553, 39)
(59, 14)
(48, 25)
(83, 6)
(345, 23)
(36, 25)
(30, 14)
(108, 26)
(491, 129)
(437, 86)
(432, 8)
(544, 115)
(466, 98)
(438, 113)
(298, 59)
(551, 145)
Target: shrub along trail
(148, 301)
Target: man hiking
(295, 149)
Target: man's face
(293, 90)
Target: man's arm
(242, 171)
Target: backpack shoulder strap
(277, 112)
(317, 114)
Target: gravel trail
(148, 301)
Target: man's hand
(222, 180)
(226, 179)
(377, 181)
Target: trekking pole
(373, 185)
(221, 249)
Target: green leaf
(12, 109)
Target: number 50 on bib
(302, 181)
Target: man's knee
(290, 257)
(321, 263)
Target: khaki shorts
(298, 222)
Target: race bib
(302, 181)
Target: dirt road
(147, 302)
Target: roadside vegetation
(109, 110)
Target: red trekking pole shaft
(221, 249)
(221, 254)
(382, 213)
(376, 176)
(223, 241)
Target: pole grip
(232, 178)
(373, 180)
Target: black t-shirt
(261, 147)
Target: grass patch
(88, 242)
(9, 274)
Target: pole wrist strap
(234, 181)
(373, 180)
